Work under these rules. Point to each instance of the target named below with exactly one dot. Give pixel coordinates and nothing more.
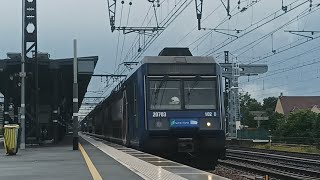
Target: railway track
(283, 159)
(279, 166)
(292, 154)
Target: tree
(275, 120)
(269, 104)
(248, 104)
(302, 124)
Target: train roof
(175, 51)
(178, 60)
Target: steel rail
(277, 166)
(274, 173)
(312, 156)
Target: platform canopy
(55, 93)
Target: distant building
(287, 104)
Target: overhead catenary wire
(115, 63)
(162, 23)
(257, 25)
(144, 20)
(311, 75)
(124, 38)
(195, 27)
(277, 88)
(282, 70)
(149, 41)
(301, 54)
(175, 14)
(121, 70)
(221, 23)
(281, 49)
(285, 48)
(264, 94)
(138, 35)
(282, 85)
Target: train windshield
(165, 95)
(200, 94)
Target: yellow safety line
(93, 170)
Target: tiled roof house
(287, 104)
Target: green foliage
(274, 122)
(304, 124)
(269, 104)
(316, 129)
(248, 104)
(300, 125)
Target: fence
(253, 133)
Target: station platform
(39, 163)
(96, 159)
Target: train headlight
(209, 124)
(159, 124)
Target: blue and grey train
(172, 104)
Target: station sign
(260, 115)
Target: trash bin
(11, 134)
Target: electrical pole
(232, 72)
(22, 75)
(75, 98)
(30, 55)
(199, 4)
(231, 89)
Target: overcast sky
(60, 21)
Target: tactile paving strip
(140, 167)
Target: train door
(135, 125)
(125, 119)
(132, 115)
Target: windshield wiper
(156, 92)
(193, 85)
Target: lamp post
(23, 75)
(75, 98)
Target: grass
(291, 148)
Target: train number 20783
(159, 114)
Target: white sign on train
(159, 114)
(210, 114)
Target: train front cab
(184, 109)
